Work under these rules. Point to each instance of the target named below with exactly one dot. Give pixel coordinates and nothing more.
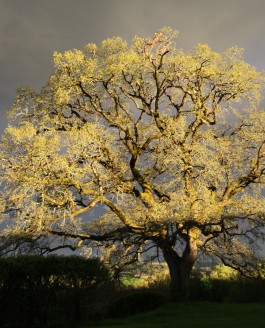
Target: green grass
(191, 315)
(133, 282)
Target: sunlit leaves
(160, 143)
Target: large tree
(141, 146)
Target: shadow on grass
(202, 314)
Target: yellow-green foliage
(223, 272)
(140, 143)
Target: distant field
(134, 282)
(191, 315)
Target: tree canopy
(139, 146)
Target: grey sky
(31, 30)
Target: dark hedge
(52, 291)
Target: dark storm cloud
(31, 30)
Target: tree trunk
(180, 271)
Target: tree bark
(180, 268)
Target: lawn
(192, 315)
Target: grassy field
(190, 315)
(135, 282)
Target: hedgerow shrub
(51, 291)
(223, 290)
(136, 302)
